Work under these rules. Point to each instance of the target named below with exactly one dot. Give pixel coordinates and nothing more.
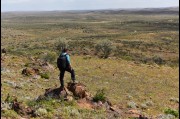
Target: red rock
(77, 89)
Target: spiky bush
(104, 48)
(100, 96)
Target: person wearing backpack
(63, 63)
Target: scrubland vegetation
(131, 58)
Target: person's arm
(68, 59)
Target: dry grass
(140, 36)
(119, 78)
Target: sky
(49, 5)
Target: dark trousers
(62, 72)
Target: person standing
(63, 63)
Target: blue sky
(40, 5)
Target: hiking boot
(61, 87)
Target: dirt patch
(85, 104)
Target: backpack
(62, 61)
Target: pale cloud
(29, 1)
(14, 1)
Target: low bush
(45, 75)
(60, 45)
(158, 60)
(49, 57)
(10, 114)
(104, 48)
(100, 96)
(172, 112)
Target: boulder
(132, 104)
(36, 77)
(46, 66)
(78, 90)
(176, 100)
(4, 70)
(114, 113)
(21, 109)
(133, 113)
(3, 50)
(165, 116)
(116, 109)
(5, 106)
(30, 71)
(55, 93)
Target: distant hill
(144, 11)
(168, 10)
(70, 13)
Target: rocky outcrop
(3, 50)
(11, 103)
(30, 71)
(75, 90)
(78, 93)
(78, 90)
(22, 110)
(56, 93)
(46, 66)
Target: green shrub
(49, 57)
(100, 96)
(10, 114)
(172, 112)
(60, 45)
(104, 47)
(158, 60)
(127, 58)
(45, 75)
(119, 51)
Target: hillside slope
(123, 82)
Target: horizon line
(89, 9)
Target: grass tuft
(100, 96)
